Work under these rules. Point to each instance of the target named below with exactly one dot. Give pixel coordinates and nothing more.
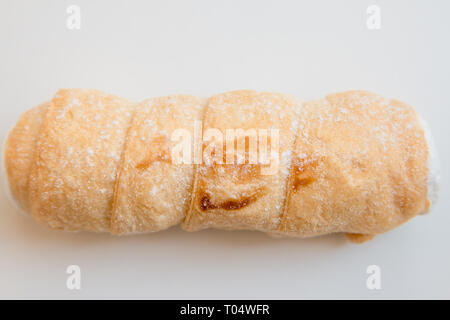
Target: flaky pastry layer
(353, 162)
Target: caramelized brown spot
(235, 205)
(158, 151)
(304, 171)
(359, 238)
(302, 182)
(232, 204)
(205, 203)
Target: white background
(140, 49)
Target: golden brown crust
(152, 193)
(240, 196)
(78, 152)
(359, 238)
(353, 162)
(20, 152)
(360, 166)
